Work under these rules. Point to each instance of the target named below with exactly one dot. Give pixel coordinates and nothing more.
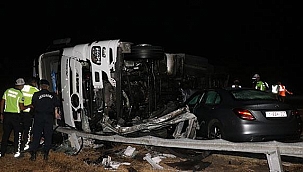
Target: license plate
(276, 114)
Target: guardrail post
(74, 141)
(274, 161)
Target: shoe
(2, 154)
(33, 156)
(26, 147)
(17, 154)
(45, 156)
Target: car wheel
(215, 130)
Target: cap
(44, 81)
(20, 81)
(255, 76)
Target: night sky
(245, 37)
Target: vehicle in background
(115, 87)
(244, 114)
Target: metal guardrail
(272, 149)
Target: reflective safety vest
(282, 90)
(260, 86)
(28, 92)
(275, 89)
(236, 86)
(12, 99)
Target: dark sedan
(244, 114)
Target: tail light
(244, 114)
(297, 113)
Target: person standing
(258, 84)
(275, 90)
(28, 91)
(46, 107)
(236, 84)
(11, 106)
(282, 92)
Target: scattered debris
(152, 162)
(113, 165)
(155, 160)
(129, 151)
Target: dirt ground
(90, 159)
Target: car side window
(218, 99)
(212, 98)
(194, 100)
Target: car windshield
(252, 95)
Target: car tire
(215, 130)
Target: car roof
(236, 93)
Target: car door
(194, 101)
(204, 110)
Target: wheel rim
(215, 133)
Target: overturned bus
(114, 87)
